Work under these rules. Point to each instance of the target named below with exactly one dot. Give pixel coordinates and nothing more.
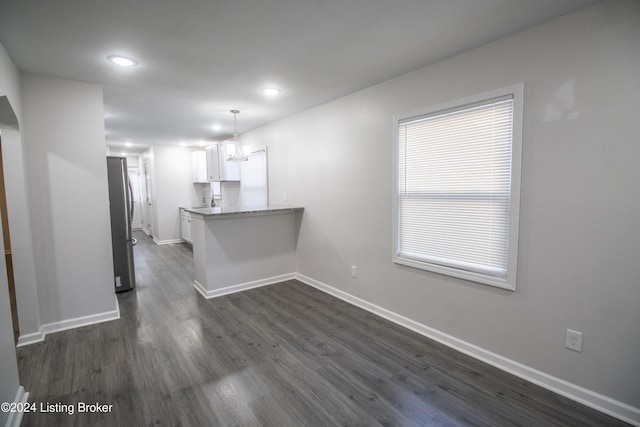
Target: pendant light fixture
(236, 153)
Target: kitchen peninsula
(237, 248)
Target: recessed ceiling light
(123, 153)
(183, 144)
(271, 91)
(128, 144)
(216, 126)
(122, 61)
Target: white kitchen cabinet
(186, 226)
(218, 168)
(199, 166)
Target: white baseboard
(63, 325)
(580, 394)
(32, 338)
(15, 418)
(167, 242)
(242, 286)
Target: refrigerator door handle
(132, 239)
(131, 208)
(131, 202)
(127, 186)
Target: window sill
(460, 274)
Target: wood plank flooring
(280, 355)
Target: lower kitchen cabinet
(186, 226)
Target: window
(457, 188)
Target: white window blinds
(454, 176)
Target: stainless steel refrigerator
(121, 203)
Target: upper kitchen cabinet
(218, 168)
(199, 167)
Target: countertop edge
(208, 213)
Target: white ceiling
(200, 58)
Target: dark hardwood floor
(280, 355)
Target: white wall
(172, 187)
(579, 230)
(174, 184)
(17, 203)
(20, 231)
(63, 132)
(9, 383)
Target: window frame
(509, 282)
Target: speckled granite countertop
(219, 211)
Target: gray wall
(56, 186)
(9, 383)
(18, 205)
(20, 230)
(579, 231)
(8, 364)
(67, 179)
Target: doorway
(148, 209)
(6, 237)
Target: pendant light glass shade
(235, 151)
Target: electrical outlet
(573, 340)
(354, 271)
